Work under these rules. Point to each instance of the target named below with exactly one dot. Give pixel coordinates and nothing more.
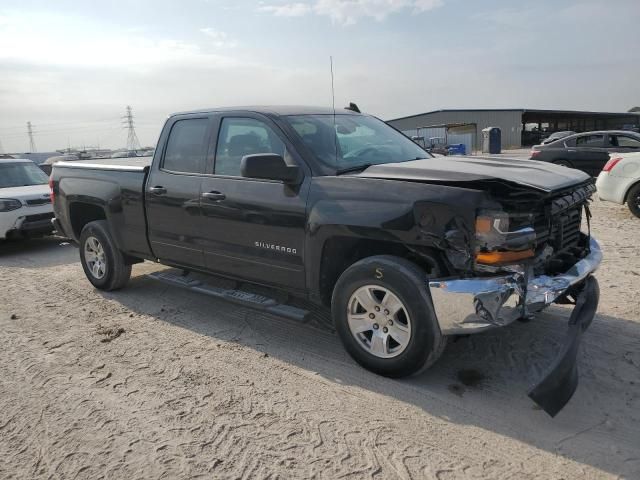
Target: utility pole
(32, 143)
(132, 139)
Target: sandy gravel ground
(154, 382)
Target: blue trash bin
(457, 149)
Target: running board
(247, 299)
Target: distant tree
(634, 109)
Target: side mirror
(268, 166)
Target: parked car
(588, 151)
(557, 135)
(619, 181)
(25, 202)
(343, 210)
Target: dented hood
(541, 176)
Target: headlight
(503, 238)
(8, 204)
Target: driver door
(253, 228)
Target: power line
(75, 122)
(132, 139)
(32, 143)
(39, 132)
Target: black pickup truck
(343, 210)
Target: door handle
(158, 190)
(214, 195)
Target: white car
(25, 204)
(619, 181)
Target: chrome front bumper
(472, 305)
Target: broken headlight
(503, 238)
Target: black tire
(633, 200)
(563, 163)
(407, 282)
(116, 272)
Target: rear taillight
(611, 163)
(52, 194)
(534, 153)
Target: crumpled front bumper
(465, 306)
(472, 305)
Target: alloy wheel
(95, 257)
(379, 321)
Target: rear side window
(240, 137)
(623, 141)
(186, 146)
(590, 141)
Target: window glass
(186, 146)
(345, 141)
(244, 136)
(590, 141)
(623, 141)
(21, 175)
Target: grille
(39, 201)
(39, 217)
(562, 230)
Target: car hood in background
(29, 192)
(531, 173)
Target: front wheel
(384, 316)
(102, 262)
(633, 200)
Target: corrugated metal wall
(509, 122)
(453, 136)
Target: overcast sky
(71, 67)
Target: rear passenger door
(591, 154)
(253, 228)
(173, 191)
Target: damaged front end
(526, 256)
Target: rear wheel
(102, 262)
(384, 316)
(633, 200)
(564, 163)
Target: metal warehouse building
(519, 127)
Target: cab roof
(277, 110)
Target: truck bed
(113, 186)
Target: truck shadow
(481, 380)
(37, 252)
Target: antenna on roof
(333, 92)
(333, 104)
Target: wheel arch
(82, 212)
(340, 252)
(558, 161)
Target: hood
(542, 176)
(29, 192)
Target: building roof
(523, 110)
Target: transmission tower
(132, 139)
(32, 143)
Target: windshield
(358, 139)
(21, 175)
